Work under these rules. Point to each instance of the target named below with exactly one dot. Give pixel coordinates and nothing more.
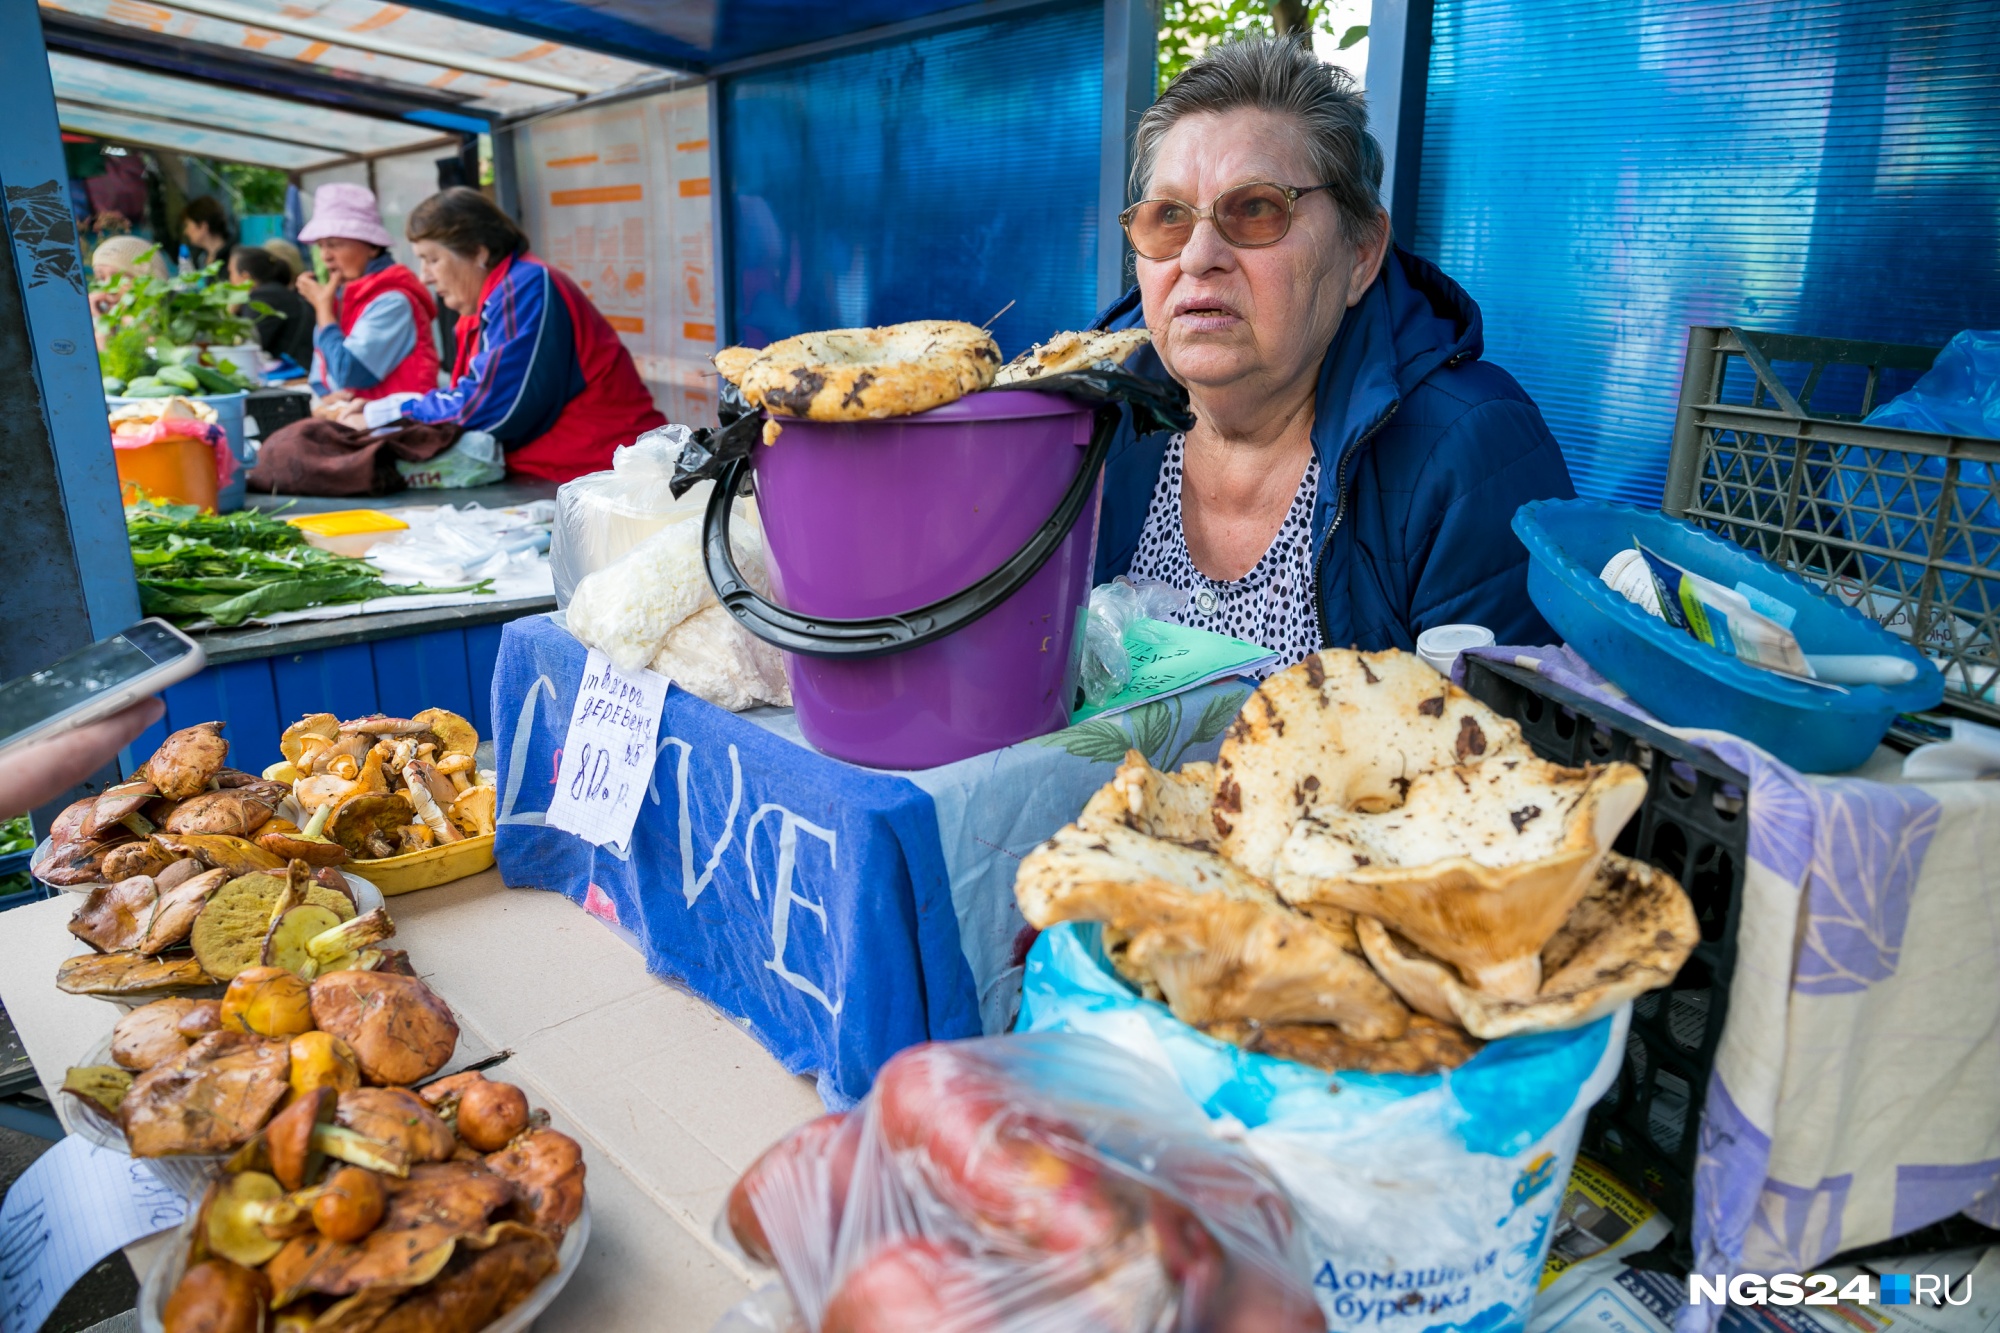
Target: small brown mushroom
(115, 805)
(350, 1204)
(309, 844)
(145, 857)
(430, 803)
(288, 1138)
(178, 872)
(217, 1296)
(186, 760)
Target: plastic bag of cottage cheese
(1427, 1200)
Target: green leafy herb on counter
(229, 568)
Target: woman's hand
(320, 296)
(329, 407)
(45, 769)
(352, 414)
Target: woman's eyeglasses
(1249, 217)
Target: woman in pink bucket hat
(373, 319)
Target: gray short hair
(1279, 75)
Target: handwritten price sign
(607, 757)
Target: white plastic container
(1441, 644)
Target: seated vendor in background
(537, 367)
(1354, 465)
(372, 334)
(287, 327)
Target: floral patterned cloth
(1853, 1091)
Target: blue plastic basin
(1683, 681)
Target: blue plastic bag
(1426, 1200)
(1958, 395)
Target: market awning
(696, 36)
(301, 83)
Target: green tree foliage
(1188, 27)
(262, 189)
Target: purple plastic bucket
(872, 518)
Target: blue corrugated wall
(936, 178)
(1600, 176)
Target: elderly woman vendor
(537, 366)
(1353, 465)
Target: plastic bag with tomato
(1023, 1184)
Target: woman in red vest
(537, 367)
(373, 320)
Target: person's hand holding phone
(42, 770)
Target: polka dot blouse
(1275, 605)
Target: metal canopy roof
(303, 83)
(694, 35)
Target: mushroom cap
(211, 1099)
(1216, 940)
(151, 1034)
(113, 917)
(395, 1115)
(233, 1224)
(221, 851)
(473, 810)
(356, 818)
(293, 742)
(288, 1138)
(1480, 865)
(1174, 806)
(128, 974)
(294, 847)
(455, 734)
(217, 1296)
(1631, 933)
(400, 1031)
(1347, 730)
(186, 760)
(377, 724)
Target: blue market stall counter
(837, 913)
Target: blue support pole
(71, 567)
(1131, 48)
(1399, 65)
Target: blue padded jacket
(1425, 452)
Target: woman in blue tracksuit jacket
(1354, 466)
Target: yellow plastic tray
(429, 868)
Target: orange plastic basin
(179, 469)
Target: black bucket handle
(879, 636)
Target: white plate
(166, 1275)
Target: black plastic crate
(1695, 825)
(274, 409)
